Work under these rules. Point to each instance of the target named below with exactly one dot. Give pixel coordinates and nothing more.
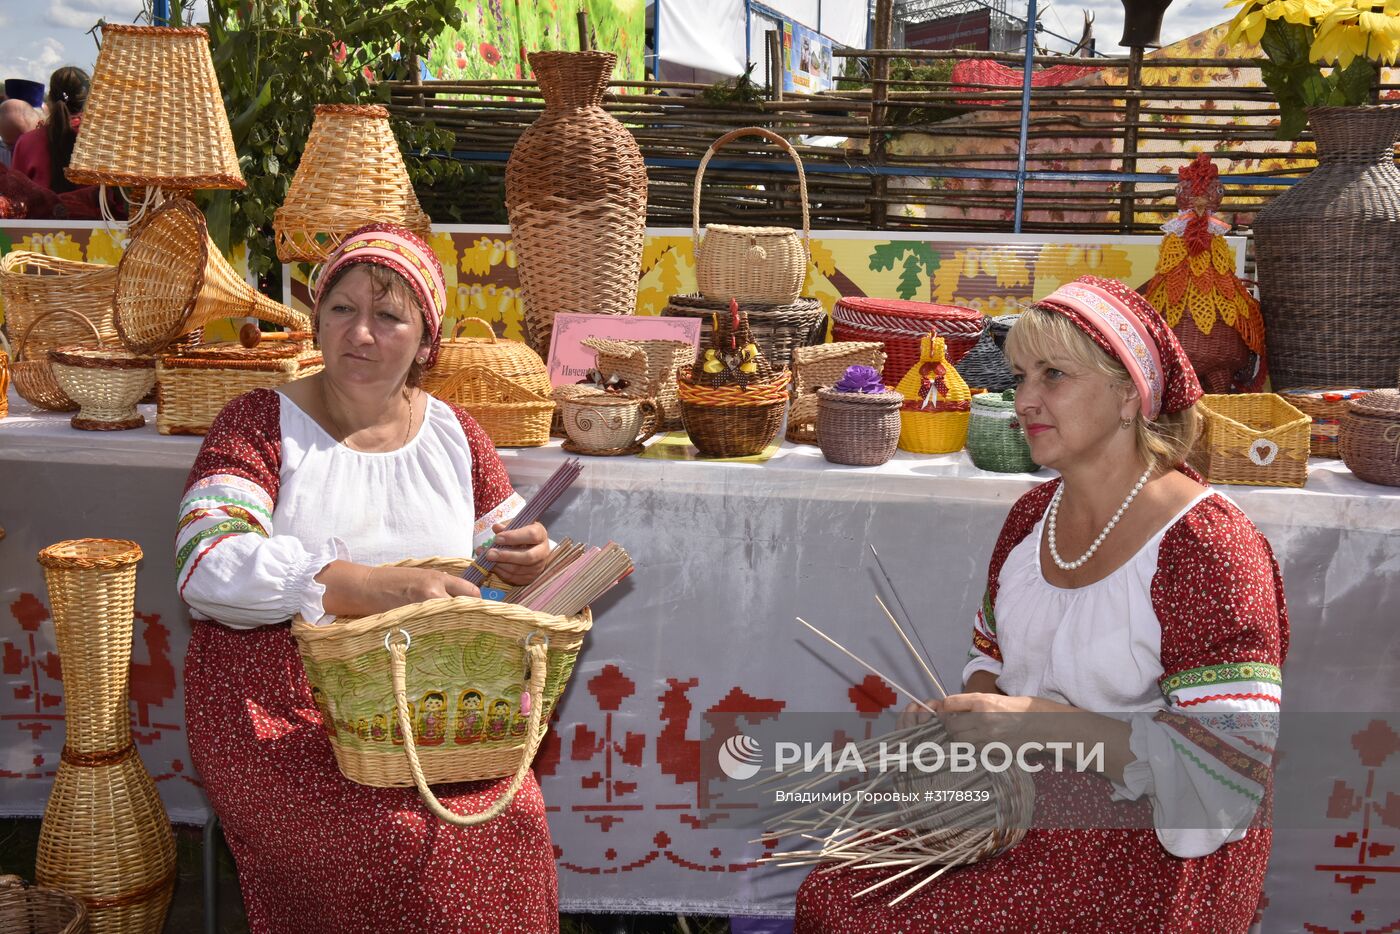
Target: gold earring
(1125, 424)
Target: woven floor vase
(106, 838)
(576, 192)
(1327, 251)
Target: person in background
(44, 152)
(16, 119)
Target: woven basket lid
(1384, 403)
(1001, 324)
(995, 401)
(908, 309)
(352, 173)
(888, 397)
(1325, 395)
(154, 116)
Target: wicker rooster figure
(1197, 291)
(732, 357)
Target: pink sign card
(570, 361)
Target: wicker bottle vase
(1327, 250)
(576, 192)
(106, 838)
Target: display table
(727, 554)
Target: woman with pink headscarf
(1127, 604)
(298, 498)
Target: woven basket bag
(823, 365)
(26, 909)
(435, 692)
(513, 416)
(995, 439)
(1370, 437)
(195, 385)
(1252, 438)
(511, 359)
(751, 264)
(933, 421)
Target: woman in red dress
(297, 499)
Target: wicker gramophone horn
(172, 279)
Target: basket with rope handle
(764, 264)
(448, 690)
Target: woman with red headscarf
(298, 498)
(1127, 604)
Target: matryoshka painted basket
(448, 690)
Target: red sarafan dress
(1188, 637)
(271, 500)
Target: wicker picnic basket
(855, 428)
(350, 174)
(1326, 408)
(513, 416)
(1252, 438)
(106, 382)
(901, 325)
(32, 909)
(937, 403)
(513, 360)
(172, 279)
(649, 367)
(777, 328)
(751, 264)
(196, 384)
(818, 366)
(995, 438)
(435, 691)
(33, 285)
(1370, 437)
(106, 838)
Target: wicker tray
(195, 386)
(1253, 438)
(777, 329)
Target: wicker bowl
(728, 421)
(106, 384)
(858, 429)
(1370, 437)
(32, 373)
(27, 909)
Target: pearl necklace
(1064, 565)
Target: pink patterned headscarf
(1129, 329)
(403, 251)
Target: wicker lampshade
(351, 174)
(154, 117)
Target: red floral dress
(1215, 594)
(315, 851)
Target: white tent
(705, 40)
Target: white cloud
(84, 14)
(38, 68)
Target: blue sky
(37, 36)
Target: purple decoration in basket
(858, 378)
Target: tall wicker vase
(576, 192)
(106, 838)
(1327, 251)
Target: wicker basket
(447, 674)
(106, 837)
(1370, 437)
(1325, 407)
(106, 384)
(649, 367)
(934, 417)
(855, 428)
(728, 421)
(512, 359)
(33, 375)
(34, 910)
(777, 329)
(1252, 438)
(751, 264)
(985, 366)
(33, 285)
(4, 384)
(511, 415)
(818, 366)
(605, 423)
(900, 326)
(995, 438)
(197, 384)
(351, 173)
(172, 280)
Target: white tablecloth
(727, 554)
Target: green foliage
(1298, 83)
(902, 69)
(276, 60)
(742, 90)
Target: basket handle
(653, 418)
(729, 137)
(24, 338)
(538, 653)
(458, 328)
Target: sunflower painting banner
(496, 35)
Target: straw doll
(301, 501)
(1196, 290)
